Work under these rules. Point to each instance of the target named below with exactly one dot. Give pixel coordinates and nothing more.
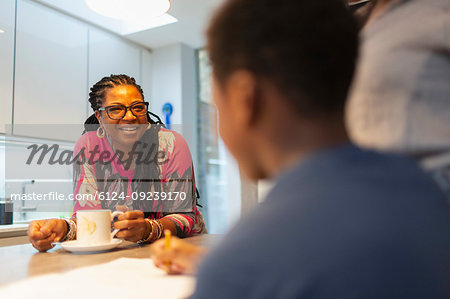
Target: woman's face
(126, 131)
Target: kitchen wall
(174, 76)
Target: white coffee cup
(94, 227)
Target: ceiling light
(2, 31)
(129, 9)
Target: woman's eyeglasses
(119, 111)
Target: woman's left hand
(133, 227)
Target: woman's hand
(43, 232)
(133, 226)
(181, 257)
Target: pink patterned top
(161, 184)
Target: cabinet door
(108, 54)
(50, 73)
(146, 79)
(7, 12)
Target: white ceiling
(192, 15)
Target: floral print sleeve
(178, 176)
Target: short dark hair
(307, 48)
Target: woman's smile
(128, 129)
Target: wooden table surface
(22, 261)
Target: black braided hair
(98, 92)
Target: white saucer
(72, 246)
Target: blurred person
(117, 163)
(341, 222)
(400, 98)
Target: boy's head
(304, 51)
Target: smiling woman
(128, 162)
(122, 114)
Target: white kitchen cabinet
(7, 12)
(50, 73)
(109, 54)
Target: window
(218, 176)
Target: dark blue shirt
(345, 223)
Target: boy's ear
(242, 87)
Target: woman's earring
(100, 132)
(149, 126)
